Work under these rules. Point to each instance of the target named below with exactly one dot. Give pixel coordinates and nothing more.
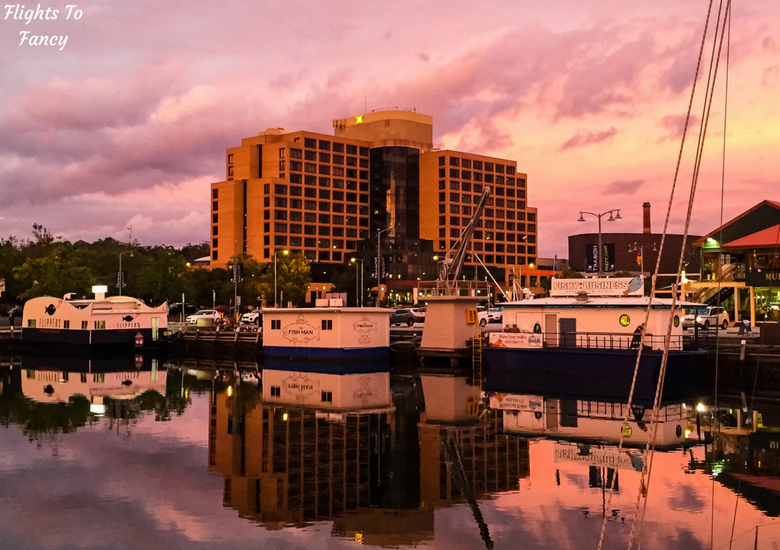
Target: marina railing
(613, 341)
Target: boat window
(276, 324)
(66, 323)
(327, 397)
(327, 324)
(99, 325)
(84, 325)
(30, 323)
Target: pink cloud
(581, 139)
(136, 103)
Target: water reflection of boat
(589, 421)
(743, 450)
(56, 395)
(351, 390)
(317, 446)
(56, 385)
(464, 455)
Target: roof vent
(582, 296)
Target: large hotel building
(328, 196)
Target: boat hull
(97, 341)
(327, 355)
(592, 373)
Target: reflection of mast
(453, 457)
(462, 456)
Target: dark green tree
(293, 277)
(62, 271)
(164, 277)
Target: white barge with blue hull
(329, 335)
(591, 342)
(117, 324)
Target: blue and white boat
(116, 324)
(592, 342)
(327, 334)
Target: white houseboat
(115, 324)
(589, 332)
(327, 334)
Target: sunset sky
(127, 125)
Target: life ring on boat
(139, 340)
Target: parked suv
(402, 316)
(496, 314)
(419, 315)
(252, 317)
(706, 317)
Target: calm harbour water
(170, 458)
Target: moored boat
(592, 341)
(327, 334)
(116, 324)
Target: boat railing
(612, 340)
(427, 289)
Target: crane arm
(450, 268)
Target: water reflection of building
(743, 451)
(316, 447)
(462, 454)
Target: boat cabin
(575, 318)
(117, 321)
(327, 333)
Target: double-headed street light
(614, 214)
(641, 250)
(121, 277)
(379, 261)
(358, 282)
(285, 252)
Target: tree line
(47, 265)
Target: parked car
(252, 317)
(706, 317)
(203, 314)
(402, 316)
(482, 315)
(495, 314)
(419, 314)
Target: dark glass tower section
(395, 191)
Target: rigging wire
(650, 447)
(660, 253)
(715, 419)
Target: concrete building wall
(226, 217)
(451, 184)
(388, 127)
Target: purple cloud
(623, 187)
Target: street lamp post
(358, 282)
(285, 252)
(121, 277)
(641, 250)
(379, 262)
(614, 214)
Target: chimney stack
(646, 222)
